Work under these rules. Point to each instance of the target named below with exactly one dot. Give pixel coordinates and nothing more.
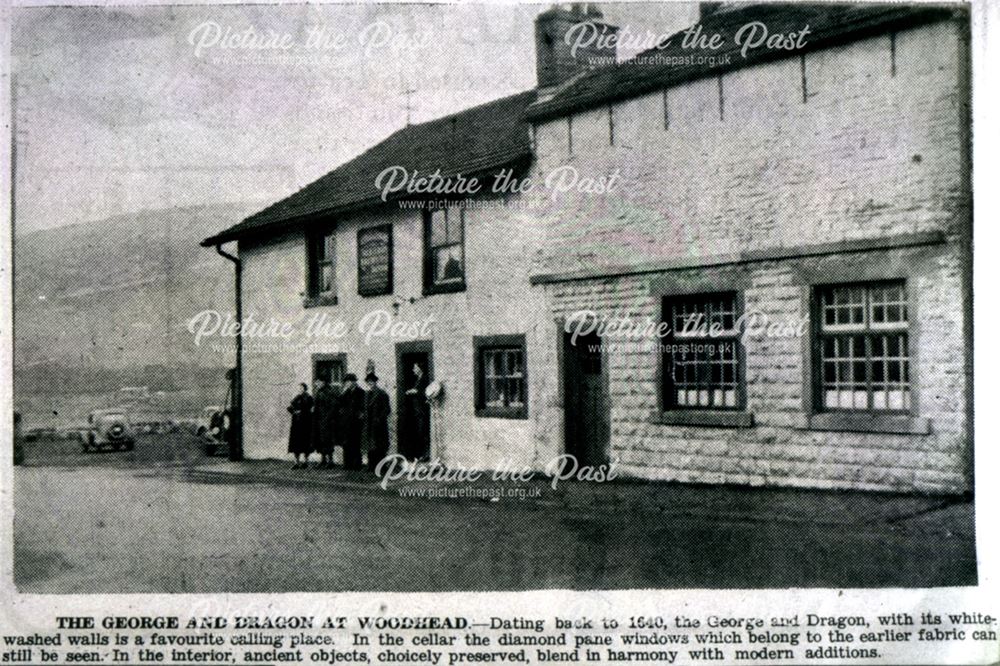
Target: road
(164, 519)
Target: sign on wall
(375, 260)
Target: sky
(121, 109)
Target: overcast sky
(118, 111)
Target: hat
(371, 377)
(350, 377)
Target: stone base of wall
(780, 449)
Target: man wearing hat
(326, 408)
(377, 410)
(352, 421)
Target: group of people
(349, 416)
(340, 416)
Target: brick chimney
(555, 60)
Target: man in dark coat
(351, 421)
(300, 435)
(324, 421)
(377, 410)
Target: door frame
(411, 347)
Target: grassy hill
(105, 304)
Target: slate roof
(474, 141)
(829, 24)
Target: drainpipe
(236, 417)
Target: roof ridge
(469, 109)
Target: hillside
(103, 304)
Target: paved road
(164, 519)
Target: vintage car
(109, 429)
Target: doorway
(585, 391)
(413, 425)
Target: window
(863, 346)
(702, 353)
(444, 240)
(501, 376)
(329, 367)
(322, 271)
(375, 260)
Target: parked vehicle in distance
(18, 441)
(109, 429)
(212, 428)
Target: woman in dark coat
(300, 435)
(416, 421)
(377, 410)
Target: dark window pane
(448, 263)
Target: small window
(501, 377)
(322, 264)
(702, 353)
(329, 367)
(444, 258)
(863, 359)
(375, 261)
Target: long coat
(377, 410)
(416, 420)
(324, 421)
(352, 414)
(300, 434)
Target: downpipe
(235, 434)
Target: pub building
(822, 189)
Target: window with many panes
(444, 258)
(322, 265)
(501, 376)
(863, 346)
(702, 366)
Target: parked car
(109, 429)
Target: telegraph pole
(408, 92)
